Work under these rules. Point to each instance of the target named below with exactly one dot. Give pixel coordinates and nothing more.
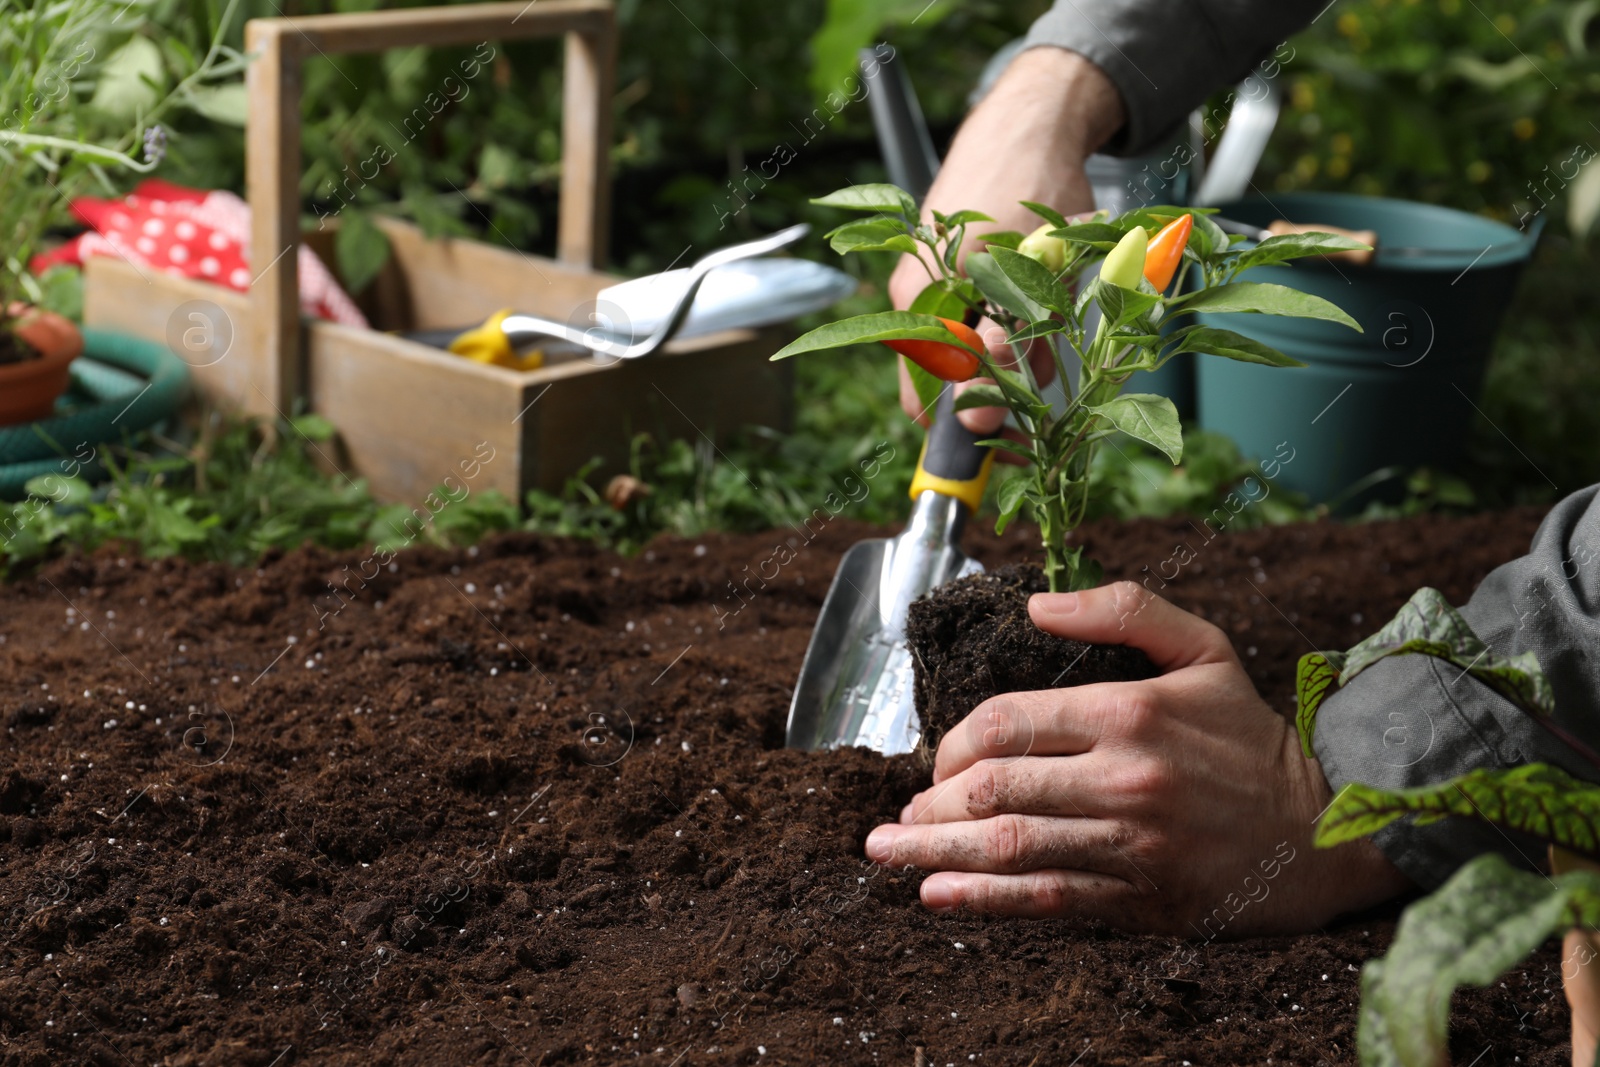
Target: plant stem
(77, 148)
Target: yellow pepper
(1124, 264)
(1049, 251)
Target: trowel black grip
(952, 462)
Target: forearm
(1026, 140)
(1166, 56)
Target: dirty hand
(1027, 140)
(1179, 805)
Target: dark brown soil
(526, 806)
(12, 348)
(972, 639)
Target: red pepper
(948, 362)
(1165, 251)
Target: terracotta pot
(28, 390)
(1580, 970)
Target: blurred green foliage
(1475, 104)
(1478, 104)
(466, 140)
(238, 489)
(1536, 439)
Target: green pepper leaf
(1147, 417)
(1009, 498)
(1016, 393)
(1034, 280)
(1002, 239)
(1289, 246)
(871, 197)
(1488, 917)
(1005, 444)
(962, 218)
(1207, 239)
(1261, 298)
(952, 246)
(1168, 212)
(1088, 575)
(943, 298)
(1121, 306)
(1016, 386)
(1046, 212)
(1101, 235)
(863, 329)
(1230, 345)
(1151, 218)
(981, 396)
(1032, 331)
(1147, 340)
(871, 235)
(1000, 290)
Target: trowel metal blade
(855, 687)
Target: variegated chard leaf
(1486, 919)
(1429, 625)
(1535, 799)
(1316, 675)
(1426, 624)
(1489, 916)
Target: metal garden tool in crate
(723, 290)
(407, 415)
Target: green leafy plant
(1483, 106)
(1042, 294)
(235, 491)
(1490, 915)
(82, 90)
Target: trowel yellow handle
(489, 344)
(952, 462)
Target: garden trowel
(725, 290)
(855, 685)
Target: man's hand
(1177, 805)
(1026, 140)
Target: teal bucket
(1400, 394)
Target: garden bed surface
(527, 805)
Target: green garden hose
(129, 384)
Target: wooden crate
(408, 415)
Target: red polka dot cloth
(194, 233)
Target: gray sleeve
(1166, 56)
(1414, 720)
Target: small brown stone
(624, 489)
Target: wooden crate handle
(272, 139)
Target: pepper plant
(1035, 282)
(1490, 915)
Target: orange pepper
(948, 362)
(1165, 252)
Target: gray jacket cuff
(1410, 721)
(1166, 56)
